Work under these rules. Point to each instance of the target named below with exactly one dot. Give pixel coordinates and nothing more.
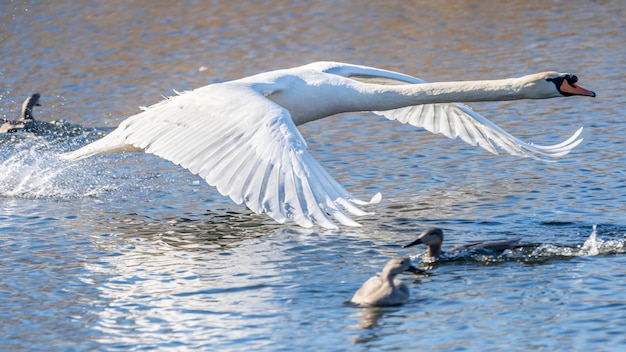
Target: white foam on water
(30, 168)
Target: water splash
(532, 253)
(30, 167)
(592, 245)
(29, 172)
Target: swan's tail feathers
(111, 143)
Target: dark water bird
(26, 122)
(241, 135)
(432, 238)
(385, 289)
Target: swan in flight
(26, 121)
(241, 135)
(384, 289)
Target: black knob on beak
(571, 79)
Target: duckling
(433, 238)
(384, 289)
(26, 121)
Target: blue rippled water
(130, 252)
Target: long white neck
(381, 97)
(311, 102)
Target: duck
(384, 289)
(433, 238)
(26, 121)
(241, 136)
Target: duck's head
(27, 106)
(551, 85)
(430, 237)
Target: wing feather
(453, 120)
(251, 152)
(456, 120)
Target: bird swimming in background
(241, 135)
(384, 289)
(432, 238)
(26, 121)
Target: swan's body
(26, 120)
(384, 289)
(241, 135)
(432, 238)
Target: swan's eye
(571, 79)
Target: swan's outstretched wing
(453, 120)
(245, 145)
(459, 121)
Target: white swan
(384, 289)
(241, 135)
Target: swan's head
(430, 237)
(398, 265)
(551, 85)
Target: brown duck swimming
(26, 121)
(433, 238)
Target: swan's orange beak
(572, 89)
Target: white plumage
(241, 136)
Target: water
(129, 252)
